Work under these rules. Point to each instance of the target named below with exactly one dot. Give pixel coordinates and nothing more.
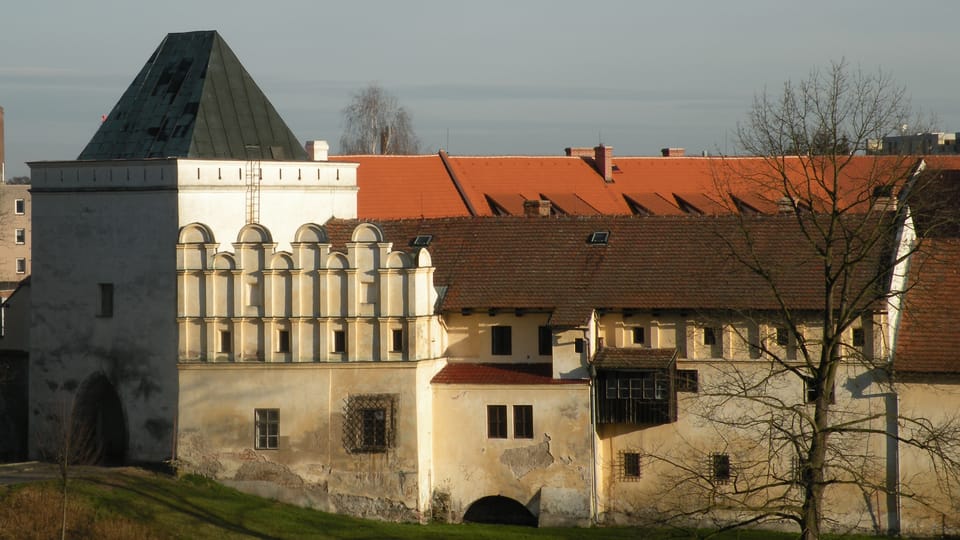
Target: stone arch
(196, 233)
(281, 261)
(398, 259)
(310, 233)
(254, 233)
(367, 232)
(499, 510)
(337, 261)
(224, 261)
(99, 423)
(424, 259)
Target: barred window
(629, 466)
(720, 468)
(369, 424)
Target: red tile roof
(648, 263)
(463, 373)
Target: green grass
(131, 502)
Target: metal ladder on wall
(254, 176)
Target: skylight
(598, 237)
(422, 240)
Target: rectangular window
(396, 342)
(630, 466)
(688, 380)
(374, 430)
(20, 236)
(497, 421)
(811, 394)
(859, 338)
(105, 300)
(578, 345)
(523, 421)
(720, 468)
(268, 428)
(783, 338)
(501, 341)
(545, 341)
(283, 341)
(339, 341)
(226, 341)
(710, 336)
(639, 336)
(21, 265)
(19, 208)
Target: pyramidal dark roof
(193, 99)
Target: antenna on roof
(599, 137)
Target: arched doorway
(499, 510)
(99, 426)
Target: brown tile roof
(928, 340)
(634, 358)
(648, 263)
(499, 374)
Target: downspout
(594, 492)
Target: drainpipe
(594, 491)
(893, 464)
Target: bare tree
(19, 180)
(848, 218)
(374, 123)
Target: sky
(495, 77)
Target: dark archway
(500, 510)
(99, 425)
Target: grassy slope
(198, 508)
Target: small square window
(783, 337)
(688, 380)
(710, 336)
(19, 207)
(396, 341)
(105, 300)
(578, 345)
(639, 335)
(545, 341)
(720, 468)
(268, 428)
(811, 394)
(226, 341)
(523, 421)
(497, 421)
(629, 466)
(21, 265)
(283, 341)
(20, 236)
(339, 341)
(501, 341)
(859, 338)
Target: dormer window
(422, 240)
(598, 237)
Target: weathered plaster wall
(84, 236)
(312, 465)
(468, 465)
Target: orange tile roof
(393, 187)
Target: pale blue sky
(492, 77)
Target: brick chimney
(579, 151)
(603, 156)
(536, 208)
(673, 152)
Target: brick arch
(500, 510)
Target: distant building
(921, 144)
(15, 235)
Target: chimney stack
(579, 151)
(603, 156)
(318, 150)
(673, 152)
(536, 208)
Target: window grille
(369, 423)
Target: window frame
(858, 337)
(688, 380)
(396, 340)
(639, 335)
(283, 340)
(19, 207)
(783, 336)
(496, 421)
(225, 341)
(105, 300)
(721, 470)
(373, 431)
(523, 421)
(545, 341)
(501, 340)
(19, 236)
(266, 429)
(21, 265)
(339, 345)
(578, 345)
(710, 335)
(630, 467)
